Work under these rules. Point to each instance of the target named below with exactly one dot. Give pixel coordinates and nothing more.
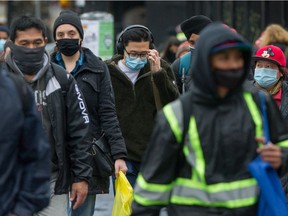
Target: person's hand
(79, 192)
(120, 165)
(270, 153)
(154, 59)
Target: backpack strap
(264, 117)
(184, 67)
(61, 77)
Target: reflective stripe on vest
(195, 191)
(157, 194)
(146, 193)
(256, 116)
(283, 144)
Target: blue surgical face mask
(265, 77)
(2, 43)
(135, 63)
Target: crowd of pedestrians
(182, 127)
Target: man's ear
(46, 40)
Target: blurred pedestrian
(170, 49)
(93, 78)
(25, 152)
(191, 28)
(4, 32)
(275, 34)
(5, 51)
(183, 48)
(142, 83)
(62, 109)
(197, 157)
(269, 75)
(4, 35)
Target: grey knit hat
(68, 17)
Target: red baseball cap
(271, 53)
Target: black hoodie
(202, 77)
(226, 133)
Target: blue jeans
(87, 208)
(132, 173)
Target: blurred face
(227, 67)
(30, 38)
(67, 31)
(270, 65)
(3, 35)
(192, 39)
(228, 59)
(173, 48)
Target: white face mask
(265, 77)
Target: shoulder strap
(184, 66)
(61, 78)
(156, 94)
(264, 117)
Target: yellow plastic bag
(123, 197)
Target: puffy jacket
(65, 120)
(217, 148)
(135, 103)
(94, 81)
(25, 152)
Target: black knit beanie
(68, 17)
(194, 25)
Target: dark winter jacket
(135, 103)
(284, 102)
(284, 112)
(226, 134)
(25, 152)
(65, 120)
(94, 82)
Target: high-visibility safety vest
(195, 191)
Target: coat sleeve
(166, 84)
(35, 159)
(158, 170)
(175, 68)
(278, 131)
(108, 117)
(77, 126)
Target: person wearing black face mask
(62, 109)
(92, 76)
(209, 136)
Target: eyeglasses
(135, 55)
